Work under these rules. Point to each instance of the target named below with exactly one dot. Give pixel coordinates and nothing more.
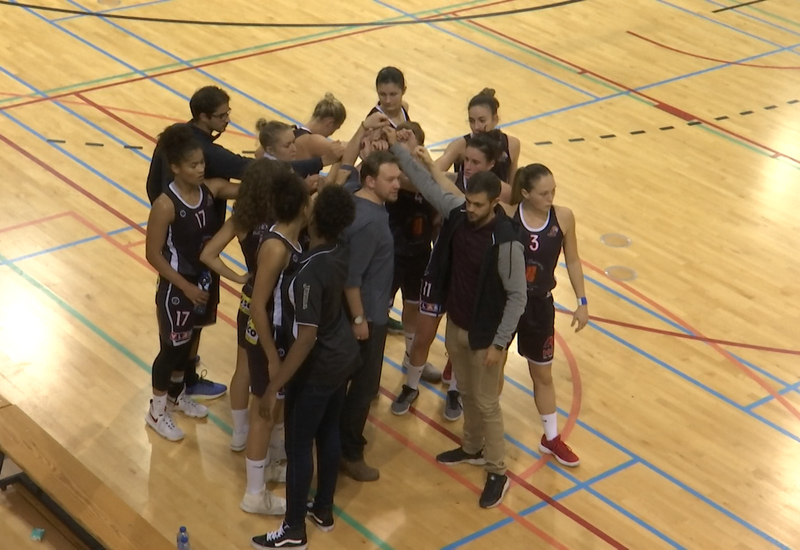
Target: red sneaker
(447, 375)
(560, 450)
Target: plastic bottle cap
(182, 529)
(184, 538)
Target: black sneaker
(459, 456)
(403, 402)
(494, 490)
(282, 538)
(453, 409)
(321, 517)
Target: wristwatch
(498, 348)
(358, 320)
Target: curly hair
(289, 195)
(333, 212)
(253, 206)
(177, 142)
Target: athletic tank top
(377, 109)
(501, 168)
(277, 302)
(301, 131)
(249, 246)
(411, 221)
(542, 249)
(192, 228)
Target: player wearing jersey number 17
(545, 229)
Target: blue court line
(115, 58)
(767, 398)
(63, 246)
(527, 450)
(99, 174)
(675, 325)
(718, 22)
(756, 18)
(59, 19)
(487, 49)
(560, 496)
(199, 70)
(631, 454)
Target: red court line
(686, 336)
(119, 119)
(683, 115)
(517, 479)
(130, 111)
(452, 472)
(698, 56)
(135, 256)
(37, 221)
(135, 243)
(755, 377)
(575, 406)
(235, 58)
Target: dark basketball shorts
(536, 330)
(176, 314)
(257, 361)
(408, 272)
(428, 305)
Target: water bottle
(181, 532)
(204, 284)
(183, 542)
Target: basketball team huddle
(325, 254)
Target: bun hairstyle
(268, 132)
(526, 179)
(330, 107)
(177, 142)
(485, 99)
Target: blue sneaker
(205, 388)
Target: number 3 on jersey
(534, 243)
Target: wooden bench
(65, 486)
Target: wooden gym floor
(669, 122)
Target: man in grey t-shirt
(368, 292)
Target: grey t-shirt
(371, 258)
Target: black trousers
(363, 387)
(312, 415)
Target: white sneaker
(164, 425)
(263, 503)
(276, 471)
(238, 441)
(187, 406)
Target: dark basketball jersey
(377, 109)
(277, 302)
(192, 228)
(542, 249)
(249, 246)
(301, 131)
(411, 221)
(501, 168)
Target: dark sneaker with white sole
(460, 456)
(495, 489)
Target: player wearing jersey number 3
(544, 229)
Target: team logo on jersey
(294, 257)
(547, 349)
(244, 305)
(553, 231)
(250, 333)
(178, 338)
(175, 300)
(434, 309)
(183, 213)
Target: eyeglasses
(222, 116)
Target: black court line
(384, 23)
(738, 6)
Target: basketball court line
(120, 8)
(770, 14)
(511, 381)
(766, 399)
(207, 61)
(761, 20)
(536, 507)
(128, 252)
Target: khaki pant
(480, 392)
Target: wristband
(582, 301)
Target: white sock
(277, 447)
(159, 405)
(453, 382)
(550, 423)
(409, 342)
(414, 374)
(176, 378)
(240, 424)
(255, 475)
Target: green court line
(229, 53)
(362, 529)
